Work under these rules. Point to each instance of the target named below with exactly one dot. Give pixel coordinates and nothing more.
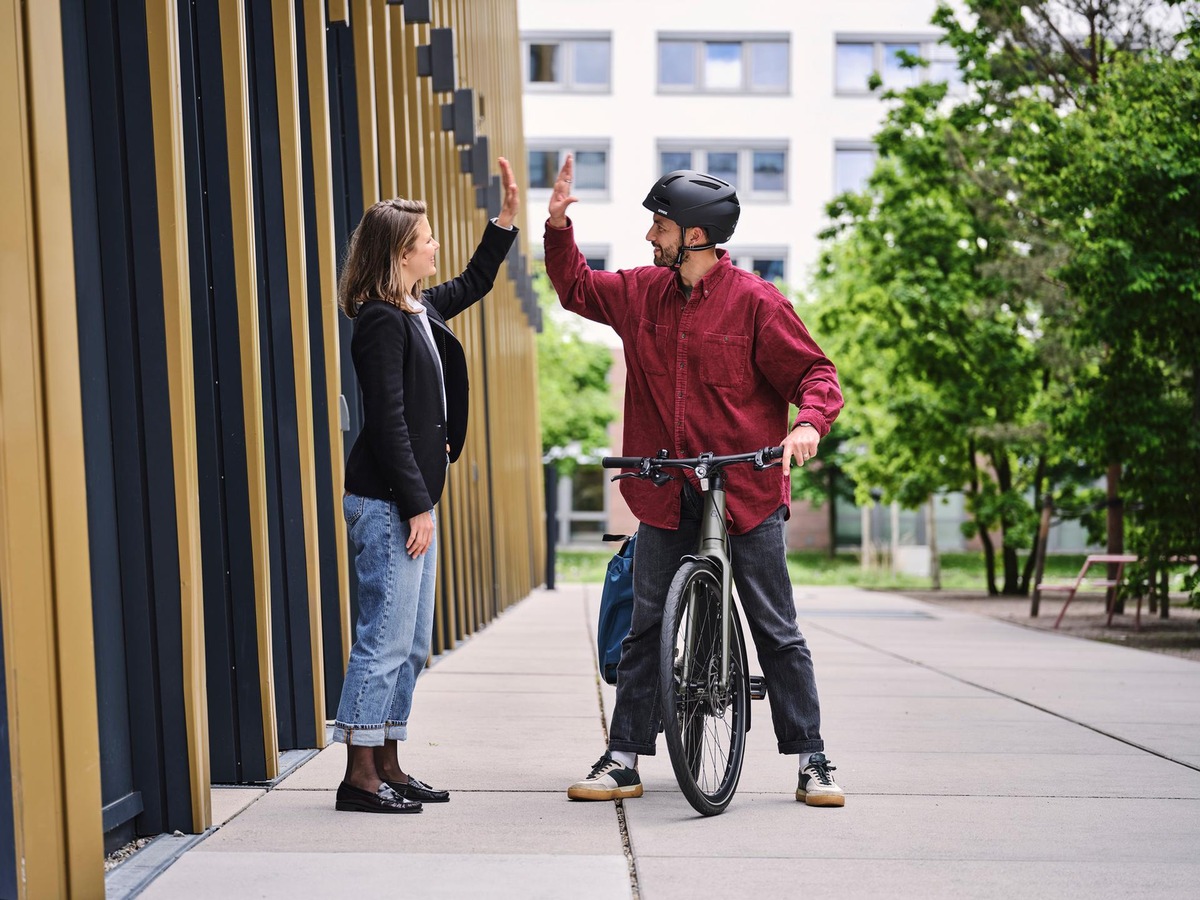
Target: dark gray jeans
(760, 574)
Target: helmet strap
(684, 249)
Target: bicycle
(706, 686)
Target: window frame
(927, 48)
(849, 146)
(566, 41)
(743, 256)
(745, 165)
(573, 146)
(700, 40)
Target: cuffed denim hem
(629, 747)
(359, 735)
(793, 747)
(396, 731)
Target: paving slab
(437, 876)
(981, 759)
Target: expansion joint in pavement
(622, 825)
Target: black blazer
(400, 454)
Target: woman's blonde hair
(386, 232)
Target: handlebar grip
(621, 462)
(773, 453)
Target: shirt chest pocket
(724, 359)
(650, 343)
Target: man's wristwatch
(803, 424)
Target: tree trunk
(1038, 477)
(989, 551)
(1039, 553)
(1012, 577)
(989, 560)
(1116, 531)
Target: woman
(413, 376)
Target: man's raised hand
(561, 197)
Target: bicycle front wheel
(705, 723)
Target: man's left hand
(512, 196)
(800, 445)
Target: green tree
(943, 277)
(575, 403)
(934, 339)
(1128, 196)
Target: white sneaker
(817, 787)
(608, 780)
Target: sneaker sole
(821, 799)
(619, 793)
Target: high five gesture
(562, 197)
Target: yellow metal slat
(162, 28)
(283, 27)
(241, 198)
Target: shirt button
(685, 335)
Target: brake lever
(760, 465)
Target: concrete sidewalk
(981, 759)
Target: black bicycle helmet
(690, 198)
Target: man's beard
(665, 257)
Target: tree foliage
(576, 406)
(1008, 273)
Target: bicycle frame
(714, 548)
(713, 545)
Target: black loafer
(419, 790)
(386, 800)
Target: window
(857, 58)
(766, 262)
(853, 163)
(581, 62)
(595, 255)
(758, 172)
(582, 517)
(591, 166)
(726, 64)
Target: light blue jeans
(395, 624)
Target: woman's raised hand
(511, 202)
(562, 197)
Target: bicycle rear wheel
(705, 725)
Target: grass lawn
(960, 571)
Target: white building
(768, 94)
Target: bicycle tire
(705, 731)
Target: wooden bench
(1082, 582)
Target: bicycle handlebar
(647, 464)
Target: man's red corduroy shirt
(711, 372)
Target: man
(714, 355)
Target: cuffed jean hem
(793, 747)
(629, 747)
(396, 731)
(359, 735)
